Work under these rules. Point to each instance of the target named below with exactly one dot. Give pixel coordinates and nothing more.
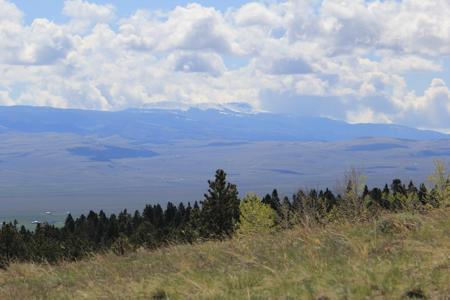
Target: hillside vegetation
(397, 256)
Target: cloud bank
(342, 59)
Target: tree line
(220, 215)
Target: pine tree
(180, 216)
(423, 194)
(285, 214)
(220, 209)
(69, 225)
(92, 230)
(411, 187)
(397, 187)
(386, 191)
(191, 231)
(330, 200)
(113, 229)
(10, 242)
(125, 223)
(148, 213)
(272, 200)
(365, 191)
(158, 216)
(137, 220)
(170, 213)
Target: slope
(398, 256)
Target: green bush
(255, 216)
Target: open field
(398, 256)
(41, 172)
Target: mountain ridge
(165, 125)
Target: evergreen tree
(411, 188)
(11, 245)
(69, 224)
(220, 209)
(423, 194)
(158, 216)
(148, 213)
(137, 219)
(180, 216)
(112, 232)
(170, 213)
(272, 200)
(330, 200)
(386, 190)
(365, 191)
(397, 187)
(125, 223)
(192, 229)
(285, 214)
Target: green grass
(396, 256)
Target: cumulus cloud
(208, 63)
(285, 66)
(367, 115)
(41, 43)
(5, 98)
(257, 14)
(342, 59)
(84, 10)
(193, 27)
(433, 107)
(198, 28)
(9, 13)
(415, 26)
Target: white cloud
(432, 108)
(286, 66)
(84, 15)
(84, 10)
(416, 26)
(407, 63)
(311, 85)
(9, 14)
(197, 28)
(257, 14)
(5, 98)
(343, 59)
(193, 27)
(367, 115)
(42, 42)
(209, 63)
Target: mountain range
(159, 125)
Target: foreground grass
(397, 257)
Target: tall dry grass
(398, 256)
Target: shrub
(255, 216)
(122, 246)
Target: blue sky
(360, 61)
(51, 9)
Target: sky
(378, 61)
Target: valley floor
(396, 257)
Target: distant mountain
(159, 125)
(75, 160)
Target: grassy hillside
(398, 256)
